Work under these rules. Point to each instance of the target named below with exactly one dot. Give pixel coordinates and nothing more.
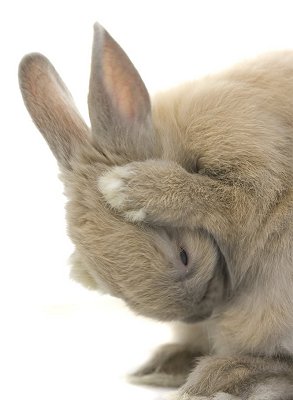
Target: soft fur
(206, 169)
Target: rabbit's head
(162, 273)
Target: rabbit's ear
(119, 103)
(51, 107)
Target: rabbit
(182, 206)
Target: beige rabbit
(184, 209)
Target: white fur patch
(135, 216)
(225, 396)
(174, 396)
(272, 390)
(179, 396)
(112, 186)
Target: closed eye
(183, 256)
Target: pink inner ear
(123, 83)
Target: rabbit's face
(166, 274)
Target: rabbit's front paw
(143, 191)
(241, 377)
(153, 191)
(115, 185)
(169, 366)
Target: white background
(59, 341)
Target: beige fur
(206, 173)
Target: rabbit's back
(234, 125)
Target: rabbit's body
(237, 129)
(199, 226)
